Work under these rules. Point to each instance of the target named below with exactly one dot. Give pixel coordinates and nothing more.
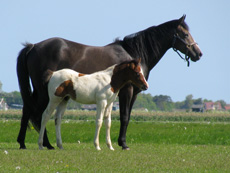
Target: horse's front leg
(99, 119)
(125, 97)
(108, 125)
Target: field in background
(221, 116)
(159, 142)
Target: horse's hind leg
(108, 126)
(23, 128)
(58, 115)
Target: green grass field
(156, 146)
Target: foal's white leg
(58, 115)
(99, 119)
(108, 125)
(45, 118)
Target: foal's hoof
(111, 148)
(98, 148)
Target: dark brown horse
(56, 53)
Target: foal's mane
(124, 64)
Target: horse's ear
(181, 20)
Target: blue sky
(99, 22)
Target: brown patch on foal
(80, 74)
(112, 90)
(66, 88)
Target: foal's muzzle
(144, 87)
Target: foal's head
(128, 71)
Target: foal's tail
(23, 77)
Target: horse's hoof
(22, 148)
(50, 147)
(125, 148)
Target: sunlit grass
(141, 158)
(156, 146)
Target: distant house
(3, 105)
(115, 106)
(93, 107)
(198, 108)
(227, 107)
(212, 106)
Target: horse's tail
(23, 77)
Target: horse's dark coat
(56, 53)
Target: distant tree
(144, 101)
(13, 98)
(198, 101)
(188, 102)
(206, 100)
(0, 86)
(222, 102)
(163, 102)
(179, 105)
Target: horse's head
(135, 74)
(184, 42)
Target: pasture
(160, 142)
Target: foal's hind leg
(45, 118)
(99, 119)
(108, 125)
(58, 115)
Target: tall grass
(138, 116)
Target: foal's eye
(138, 74)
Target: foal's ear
(132, 65)
(139, 60)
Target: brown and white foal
(99, 88)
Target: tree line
(143, 101)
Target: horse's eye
(138, 74)
(186, 35)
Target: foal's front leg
(99, 119)
(108, 125)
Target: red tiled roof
(212, 106)
(227, 107)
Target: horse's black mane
(147, 42)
